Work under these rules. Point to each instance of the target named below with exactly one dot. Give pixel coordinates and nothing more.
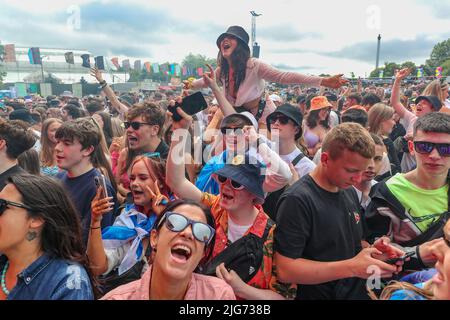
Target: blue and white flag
(131, 225)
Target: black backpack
(244, 256)
(271, 200)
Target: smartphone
(191, 105)
(100, 181)
(402, 258)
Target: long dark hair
(209, 219)
(312, 120)
(239, 59)
(61, 235)
(107, 126)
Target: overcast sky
(306, 36)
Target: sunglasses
(234, 184)
(177, 222)
(135, 125)
(5, 203)
(281, 119)
(236, 131)
(424, 147)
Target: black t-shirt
(319, 225)
(15, 170)
(163, 149)
(82, 190)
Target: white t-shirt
(235, 231)
(334, 119)
(364, 203)
(302, 167)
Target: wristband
(95, 228)
(102, 82)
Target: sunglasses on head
(236, 131)
(135, 125)
(234, 184)
(425, 147)
(281, 119)
(176, 222)
(5, 203)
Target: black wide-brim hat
(433, 100)
(246, 171)
(237, 32)
(292, 113)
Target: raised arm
(95, 249)
(209, 79)
(272, 74)
(175, 167)
(120, 107)
(395, 97)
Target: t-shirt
(163, 149)
(235, 231)
(82, 190)
(14, 170)
(319, 225)
(424, 206)
(302, 167)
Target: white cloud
(306, 26)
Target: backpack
(271, 200)
(244, 256)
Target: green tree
(440, 54)
(446, 68)
(389, 70)
(194, 61)
(408, 64)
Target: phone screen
(100, 181)
(191, 105)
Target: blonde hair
(116, 127)
(393, 286)
(46, 156)
(378, 114)
(434, 88)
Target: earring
(31, 235)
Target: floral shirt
(266, 277)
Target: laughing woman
(243, 77)
(183, 237)
(42, 255)
(122, 249)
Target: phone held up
(191, 104)
(100, 181)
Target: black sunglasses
(425, 147)
(5, 203)
(176, 222)
(234, 184)
(236, 131)
(281, 119)
(135, 125)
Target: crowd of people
(286, 186)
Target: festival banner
(10, 53)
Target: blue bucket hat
(246, 171)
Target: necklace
(4, 288)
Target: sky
(311, 37)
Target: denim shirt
(49, 278)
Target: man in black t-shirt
(15, 138)
(319, 235)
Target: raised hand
(209, 78)
(402, 74)
(159, 201)
(334, 82)
(100, 206)
(96, 74)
